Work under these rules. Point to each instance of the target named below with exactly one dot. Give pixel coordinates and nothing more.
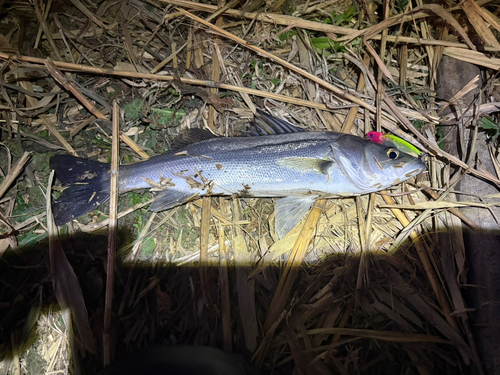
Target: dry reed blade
(40, 27)
(274, 18)
(471, 85)
(13, 173)
(171, 57)
(282, 62)
(82, 8)
(430, 271)
(46, 29)
(205, 229)
(284, 288)
(432, 316)
(222, 9)
(474, 15)
(473, 57)
(215, 60)
(361, 277)
(112, 236)
(224, 284)
(452, 210)
(71, 87)
(127, 39)
(65, 283)
(137, 244)
(380, 335)
(434, 205)
(351, 116)
(52, 129)
(244, 285)
(191, 81)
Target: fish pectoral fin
(289, 211)
(168, 198)
(300, 164)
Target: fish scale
(233, 166)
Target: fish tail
(87, 186)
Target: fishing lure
(392, 140)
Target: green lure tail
(392, 140)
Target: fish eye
(392, 153)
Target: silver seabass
(300, 167)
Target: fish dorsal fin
(190, 136)
(289, 211)
(301, 164)
(169, 198)
(266, 124)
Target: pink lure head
(374, 136)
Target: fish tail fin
(87, 185)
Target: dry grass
(363, 285)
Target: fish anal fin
(289, 211)
(301, 164)
(169, 198)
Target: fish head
(371, 166)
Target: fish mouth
(399, 174)
(417, 166)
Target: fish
(392, 140)
(295, 166)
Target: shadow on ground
(164, 304)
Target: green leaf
(160, 116)
(287, 35)
(491, 128)
(30, 239)
(136, 198)
(322, 42)
(346, 17)
(401, 4)
(486, 123)
(21, 210)
(132, 110)
(325, 43)
(163, 116)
